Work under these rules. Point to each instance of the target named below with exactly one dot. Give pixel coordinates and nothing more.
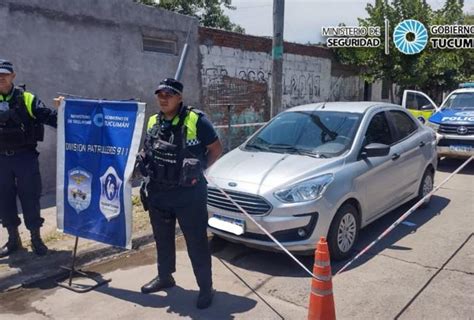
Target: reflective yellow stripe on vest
(28, 98)
(190, 122)
(151, 122)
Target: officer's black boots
(205, 298)
(158, 284)
(37, 244)
(13, 244)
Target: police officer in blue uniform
(22, 116)
(180, 143)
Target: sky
(304, 18)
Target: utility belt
(169, 169)
(12, 152)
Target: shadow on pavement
(279, 264)
(183, 302)
(449, 165)
(29, 267)
(416, 220)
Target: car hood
(453, 116)
(266, 168)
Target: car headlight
(308, 190)
(433, 126)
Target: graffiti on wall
(301, 84)
(346, 88)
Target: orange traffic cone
(321, 300)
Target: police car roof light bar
(466, 85)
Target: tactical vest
(18, 128)
(170, 163)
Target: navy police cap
(6, 67)
(171, 85)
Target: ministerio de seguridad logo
(410, 36)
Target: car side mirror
(375, 150)
(427, 107)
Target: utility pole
(277, 56)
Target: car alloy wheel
(346, 232)
(427, 187)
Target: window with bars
(159, 45)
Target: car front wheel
(343, 232)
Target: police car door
(419, 104)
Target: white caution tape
(241, 125)
(262, 228)
(404, 216)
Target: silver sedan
(325, 169)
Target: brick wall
(236, 70)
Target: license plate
(232, 225)
(461, 148)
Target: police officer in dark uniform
(180, 143)
(22, 116)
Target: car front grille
(253, 204)
(453, 129)
(453, 142)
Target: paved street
(424, 269)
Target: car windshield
(319, 134)
(461, 101)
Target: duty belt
(10, 153)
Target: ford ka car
(325, 169)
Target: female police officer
(180, 143)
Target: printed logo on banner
(110, 184)
(99, 119)
(79, 189)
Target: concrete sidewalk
(24, 267)
(122, 299)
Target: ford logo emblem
(462, 130)
(232, 184)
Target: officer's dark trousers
(20, 175)
(188, 206)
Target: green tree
(432, 70)
(210, 13)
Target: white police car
(453, 121)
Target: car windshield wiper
(311, 154)
(285, 147)
(257, 147)
(290, 148)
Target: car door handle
(395, 156)
(422, 144)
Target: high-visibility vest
(190, 122)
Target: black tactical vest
(170, 163)
(18, 130)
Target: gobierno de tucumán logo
(409, 36)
